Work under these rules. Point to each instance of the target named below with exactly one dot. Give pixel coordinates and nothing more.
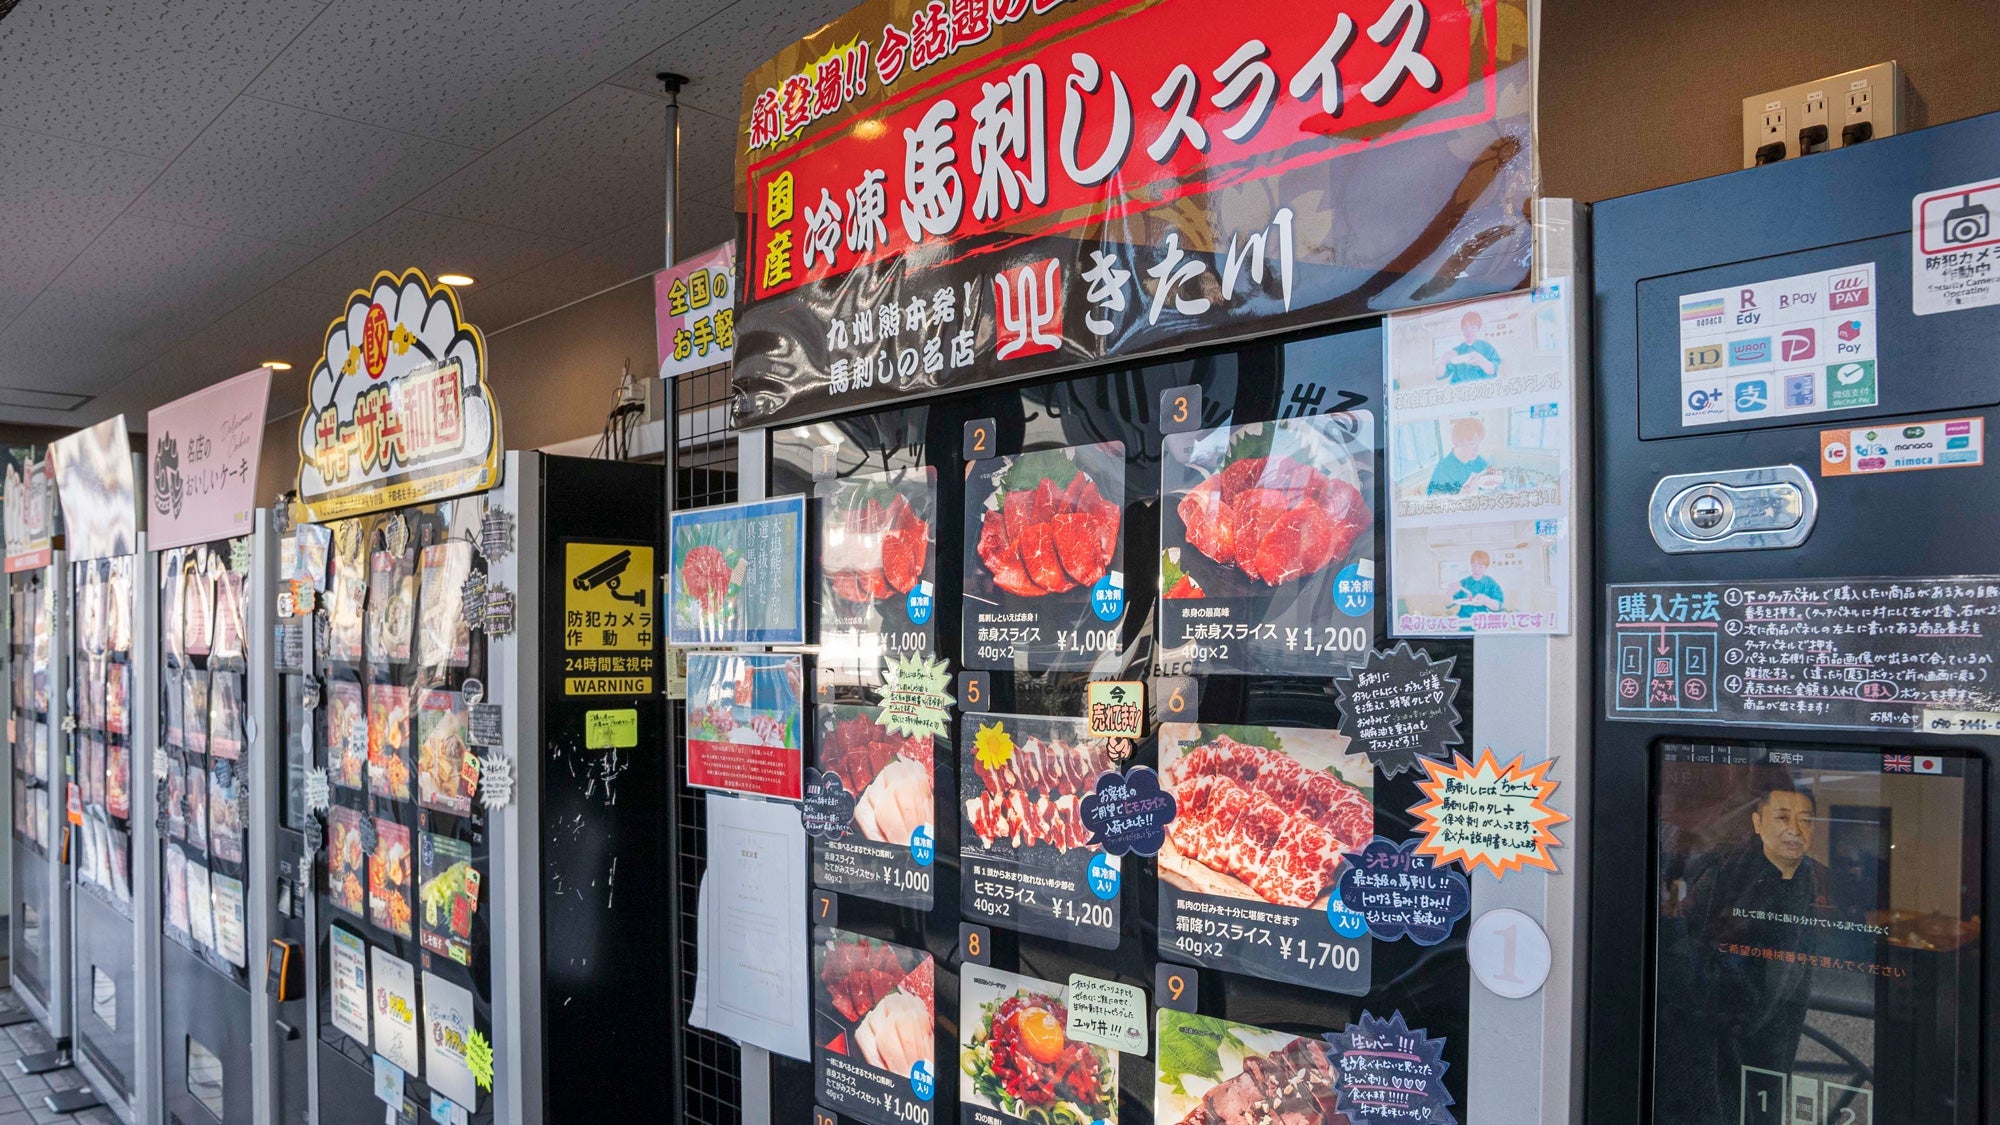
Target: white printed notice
(396, 1036)
(1480, 450)
(1955, 248)
(758, 990)
(1796, 345)
(350, 982)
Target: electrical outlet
(1835, 112)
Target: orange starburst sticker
(1484, 814)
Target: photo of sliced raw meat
(1259, 1077)
(886, 994)
(1032, 800)
(1038, 538)
(874, 543)
(1274, 518)
(858, 973)
(1253, 820)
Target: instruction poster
(1249, 874)
(350, 982)
(1019, 1064)
(877, 581)
(870, 808)
(1267, 546)
(1025, 858)
(1885, 654)
(1795, 345)
(609, 634)
(1481, 411)
(744, 724)
(874, 1028)
(736, 574)
(396, 1037)
(1045, 558)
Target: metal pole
(670, 457)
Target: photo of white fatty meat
(896, 1034)
(896, 803)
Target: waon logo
(375, 341)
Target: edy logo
(1702, 357)
(1797, 344)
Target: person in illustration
(1464, 470)
(1471, 358)
(1478, 592)
(1736, 987)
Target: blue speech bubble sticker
(1103, 877)
(1353, 591)
(919, 604)
(922, 1082)
(1345, 922)
(1403, 894)
(923, 848)
(1107, 599)
(1128, 813)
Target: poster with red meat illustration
(1024, 858)
(874, 1028)
(1217, 1070)
(1250, 870)
(1045, 558)
(888, 848)
(1267, 547)
(877, 570)
(1017, 1064)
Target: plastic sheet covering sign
(694, 312)
(30, 510)
(398, 410)
(93, 470)
(201, 455)
(947, 192)
(610, 619)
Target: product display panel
(1818, 942)
(991, 995)
(382, 665)
(31, 627)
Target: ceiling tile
(141, 287)
(291, 175)
(616, 258)
(277, 324)
(703, 225)
(471, 72)
(55, 196)
(717, 53)
(438, 243)
(507, 303)
(581, 173)
(140, 75)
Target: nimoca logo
(1028, 302)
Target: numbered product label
(874, 1029)
(872, 809)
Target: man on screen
(1738, 987)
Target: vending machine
(1796, 757)
(38, 622)
(111, 895)
(477, 683)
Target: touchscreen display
(1818, 936)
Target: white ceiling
(191, 187)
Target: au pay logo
(1752, 396)
(1702, 357)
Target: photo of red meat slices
(873, 543)
(1255, 819)
(889, 775)
(1273, 518)
(1031, 801)
(1043, 539)
(885, 993)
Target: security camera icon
(609, 574)
(1967, 222)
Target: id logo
(1743, 353)
(1849, 290)
(1753, 396)
(1802, 390)
(1028, 302)
(1702, 357)
(1798, 344)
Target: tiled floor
(21, 1098)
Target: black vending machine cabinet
(487, 914)
(1796, 754)
(38, 934)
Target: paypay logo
(1797, 344)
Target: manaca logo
(167, 478)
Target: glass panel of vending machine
(35, 951)
(1205, 528)
(106, 984)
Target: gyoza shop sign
(398, 410)
(958, 191)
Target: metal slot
(1733, 510)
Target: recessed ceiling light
(277, 365)
(453, 279)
